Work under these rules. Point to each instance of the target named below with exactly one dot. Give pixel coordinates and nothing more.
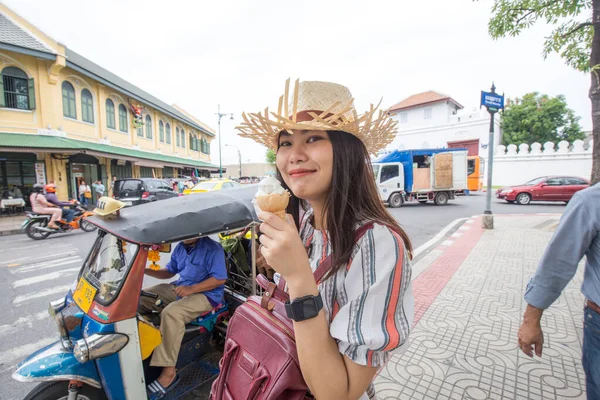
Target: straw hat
(317, 105)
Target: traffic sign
(493, 101)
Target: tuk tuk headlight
(56, 306)
(99, 345)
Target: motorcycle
(36, 225)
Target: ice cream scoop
(272, 197)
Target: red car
(545, 188)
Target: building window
(161, 131)
(177, 138)
(192, 142)
(182, 132)
(403, 118)
(168, 134)
(68, 97)
(148, 127)
(110, 114)
(16, 90)
(428, 113)
(87, 106)
(204, 146)
(122, 118)
(140, 131)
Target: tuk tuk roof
(183, 217)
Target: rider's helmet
(50, 188)
(38, 188)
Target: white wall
(415, 117)
(466, 125)
(513, 166)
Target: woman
(322, 156)
(40, 205)
(83, 189)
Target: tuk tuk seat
(209, 319)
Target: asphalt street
(32, 273)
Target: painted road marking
(45, 265)
(437, 237)
(45, 277)
(22, 323)
(24, 350)
(42, 293)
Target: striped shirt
(369, 303)
(578, 234)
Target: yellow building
(64, 118)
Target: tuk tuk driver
(200, 264)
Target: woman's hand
(282, 247)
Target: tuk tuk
(104, 345)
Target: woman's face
(305, 161)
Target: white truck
(423, 175)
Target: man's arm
(159, 274)
(575, 233)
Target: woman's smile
(300, 172)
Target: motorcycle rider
(40, 205)
(67, 213)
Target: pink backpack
(260, 361)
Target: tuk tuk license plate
(84, 295)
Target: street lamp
(220, 115)
(239, 157)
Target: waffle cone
(274, 203)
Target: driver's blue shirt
(196, 264)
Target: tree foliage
(539, 118)
(573, 31)
(270, 156)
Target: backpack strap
(325, 265)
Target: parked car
(544, 188)
(212, 185)
(134, 191)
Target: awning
(148, 163)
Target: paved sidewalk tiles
(11, 225)
(468, 308)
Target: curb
(11, 232)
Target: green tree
(575, 37)
(270, 156)
(539, 118)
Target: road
(34, 273)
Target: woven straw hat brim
(327, 106)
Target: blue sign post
(494, 103)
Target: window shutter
(2, 102)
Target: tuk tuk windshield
(107, 265)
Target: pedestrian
(111, 187)
(98, 188)
(577, 234)
(85, 193)
(322, 152)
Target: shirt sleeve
(572, 239)
(172, 266)
(216, 263)
(377, 318)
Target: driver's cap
(107, 205)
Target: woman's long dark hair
(352, 198)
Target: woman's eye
(284, 144)
(313, 139)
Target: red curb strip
(430, 282)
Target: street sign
(492, 101)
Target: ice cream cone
(274, 203)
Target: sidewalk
(11, 225)
(468, 308)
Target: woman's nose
(297, 155)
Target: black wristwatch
(303, 308)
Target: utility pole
(220, 115)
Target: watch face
(308, 309)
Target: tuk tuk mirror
(165, 248)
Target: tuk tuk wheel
(60, 391)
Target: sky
(199, 54)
